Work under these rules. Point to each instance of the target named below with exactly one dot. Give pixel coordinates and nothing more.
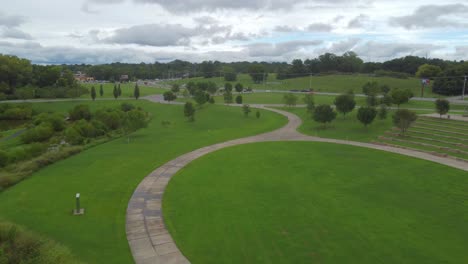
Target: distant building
(124, 78)
(82, 77)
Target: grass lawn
(347, 127)
(277, 98)
(327, 83)
(127, 90)
(304, 202)
(106, 176)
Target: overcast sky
(102, 31)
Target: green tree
(189, 111)
(403, 119)
(115, 92)
(366, 115)
(136, 91)
(257, 73)
(101, 90)
(428, 71)
(239, 88)
(93, 93)
(175, 88)
(324, 114)
(382, 112)
(345, 103)
(200, 97)
(239, 99)
(400, 96)
(442, 106)
(228, 87)
(169, 96)
(211, 88)
(290, 99)
(119, 90)
(371, 88)
(386, 100)
(309, 101)
(227, 97)
(257, 114)
(246, 110)
(229, 74)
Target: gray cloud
(358, 22)
(15, 33)
(432, 16)
(383, 51)
(187, 6)
(285, 28)
(163, 35)
(319, 27)
(205, 20)
(11, 21)
(278, 49)
(344, 45)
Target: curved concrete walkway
(150, 241)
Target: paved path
(452, 117)
(148, 237)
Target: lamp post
(78, 210)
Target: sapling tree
(93, 93)
(442, 106)
(366, 115)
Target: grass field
(326, 83)
(303, 202)
(277, 98)
(347, 127)
(106, 176)
(127, 90)
(433, 135)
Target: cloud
(358, 22)
(160, 35)
(319, 27)
(286, 28)
(11, 21)
(205, 20)
(380, 51)
(343, 46)
(188, 6)
(15, 34)
(433, 16)
(278, 49)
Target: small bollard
(78, 210)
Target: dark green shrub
(72, 136)
(16, 113)
(3, 158)
(86, 129)
(56, 121)
(126, 107)
(112, 118)
(20, 246)
(80, 112)
(37, 134)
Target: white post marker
(78, 210)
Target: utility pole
(464, 86)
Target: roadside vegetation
(46, 137)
